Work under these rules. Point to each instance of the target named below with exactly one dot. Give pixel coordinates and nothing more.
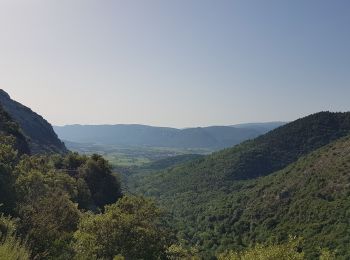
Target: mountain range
(213, 137)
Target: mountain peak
(4, 94)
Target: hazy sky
(176, 62)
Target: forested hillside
(40, 134)
(251, 159)
(195, 190)
(308, 199)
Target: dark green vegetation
(210, 197)
(212, 138)
(70, 206)
(58, 204)
(168, 162)
(114, 232)
(48, 192)
(40, 134)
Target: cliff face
(9, 128)
(39, 133)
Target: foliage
(46, 192)
(51, 189)
(11, 247)
(8, 156)
(49, 223)
(104, 187)
(327, 255)
(129, 228)
(177, 251)
(289, 250)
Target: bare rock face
(39, 133)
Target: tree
(11, 247)
(129, 228)
(104, 186)
(49, 222)
(8, 157)
(272, 252)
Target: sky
(179, 63)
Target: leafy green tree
(49, 223)
(8, 158)
(71, 162)
(177, 252)
(272, 252)
(105, 188)
(326, 254)
(129, 228)
(11, 246)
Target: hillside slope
(191, 189)
(9, 128)
(40, 134)
(254, 158)
(309, 199)
(214, 137)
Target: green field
(132, 155)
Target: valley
(174, 130)
(119, 155)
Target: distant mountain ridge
(213, 137)
(40, 134)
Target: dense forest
(205, 196)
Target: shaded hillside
(215, 137)
(189, 190)
(251, 159)
(39, 132)
(170, 162)
(9, 128)
(308, 199)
